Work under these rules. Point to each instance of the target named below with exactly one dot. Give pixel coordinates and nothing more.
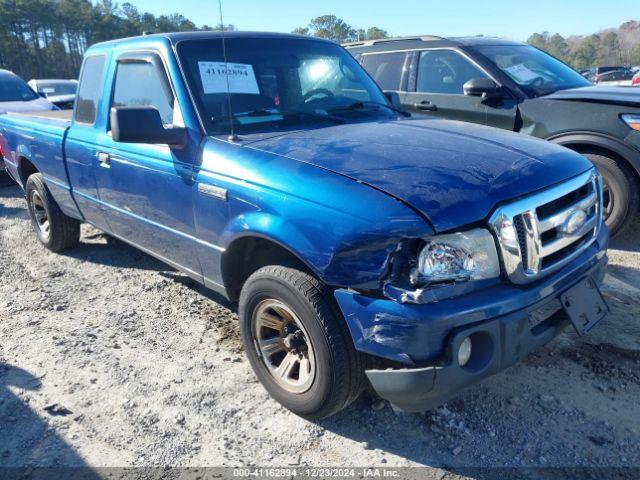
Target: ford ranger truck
(361, 245)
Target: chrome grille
(542, 232)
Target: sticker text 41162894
(240, 78)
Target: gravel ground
(110, 358)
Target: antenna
(232, 136)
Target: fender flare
(274, 229)
(601, 141)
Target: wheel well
(248, 254)
(26, 169)
(605, 152)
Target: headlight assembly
(460, 256)
(632, 120)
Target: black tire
(621, 191)
(63, 232)
(339, 369)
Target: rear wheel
(54, 229)
(620, 191)
(297, 343)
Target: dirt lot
(110, 358)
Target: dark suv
(517, 87)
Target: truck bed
(40, 137)
(56, 115)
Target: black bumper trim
(499, 343)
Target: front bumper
(423, 337)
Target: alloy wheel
(284, 346)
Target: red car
(635, 81)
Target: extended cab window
(142, 83)
(385, 68)
(90, 89)
(445, 71)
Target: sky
(514, 19)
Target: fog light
(464, 352)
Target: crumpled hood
(612, 95)
(455, 173)
(36, 105)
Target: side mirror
(143, 125)
(393, 97)
(481, 87)
(42, 94)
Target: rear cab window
(90, 89)
(385, 68)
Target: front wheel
(620, 192)
(297, 343)
(55, 230)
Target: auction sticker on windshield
(520, 73)
(240, 77)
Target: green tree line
(47, 38)
(609, 48)
(334, 28)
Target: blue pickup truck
(361, 245)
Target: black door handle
(426, 105)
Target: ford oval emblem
(574, 222)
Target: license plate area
(584, 305)
(544, 313)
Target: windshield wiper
(261, 112)
(363, 104)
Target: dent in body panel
(343, 230)
(452, 172)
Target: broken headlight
(460, 256)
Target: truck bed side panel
(40, 141)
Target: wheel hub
(39, 213)
(283, 346)
(294, 341)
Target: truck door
(437, 90)
(148, 189)
(81, 142)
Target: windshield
(53, 88)
(14, 89)
(277, 83)
(536, 72)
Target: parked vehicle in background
(16, 96)
(603, 70)
(272, 169)
(589, 74)
(620, 77)
(517, 87)
(635, 81)
(61, 93)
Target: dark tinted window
(385, 68)
(143, 84)
(90, 89)
(445, 71)
(14, 89)
(536, 72)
